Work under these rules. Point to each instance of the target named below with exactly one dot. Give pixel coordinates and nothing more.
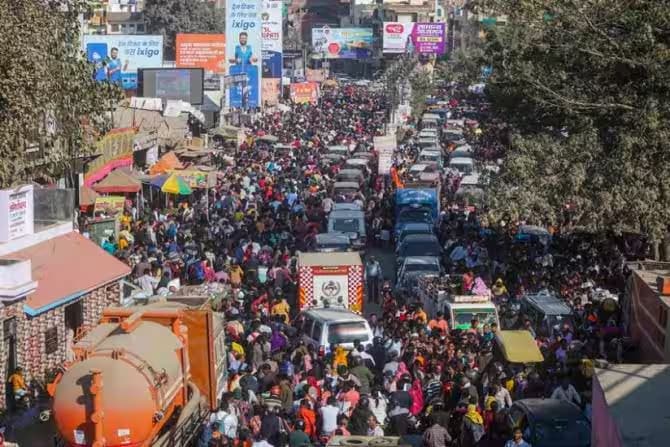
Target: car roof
(352, 185)
(334, 314)
(461, 160)
(422, 260)
(418, 167)
(420, 238)
(326, 238)
(549, 409)
(549, 303)
(357, 161)
(347, 214)
(429, 152)
(347, 207)
(418, 226)
(350, 172)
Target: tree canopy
(47, 93)
(170, 17)
(585, 86)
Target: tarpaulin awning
(118, 181)
(87, 196)
(165, 163)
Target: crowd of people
(419, 379)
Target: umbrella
(159, 180)
(176, 185)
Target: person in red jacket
(307, 414)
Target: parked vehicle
(418, 245)
(415, 228)
(546, 311)
(414, 267)
(332, 242)
(351, 223)
(550, 423)
(326, 327)
(330, 279)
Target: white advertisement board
(16, 213)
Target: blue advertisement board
(117, 58)
(244, 51)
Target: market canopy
(87, 196)
(226, 131)
(118, 181)
(167, 162)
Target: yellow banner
(111, 204)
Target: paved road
(386, 258)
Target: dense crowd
(419, 379)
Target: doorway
(74, 316)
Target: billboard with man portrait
(117, 58)
(244, 51)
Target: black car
(550, 423)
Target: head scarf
(473, 416)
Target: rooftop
(637, 397)
(65, 268)
(648, 271)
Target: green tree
(47, 93)
(585, 85)
(170, 17)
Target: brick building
(53, 284)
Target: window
(51, 340)
(115, 28)
(347, 333)
(140, 27)
(663, 316)
(307, 326)
(316, 332)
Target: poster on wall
(17, 216)
(117, 58)
(422, 38)
(206, 51)
(342, 43)
(244, 52)
(272, 43)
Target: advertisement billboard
(117, 58)
(206, 51)
(183, 84)
(342, 43)
(305, 92)
(243, 51)
(272, 42)
(422, 38)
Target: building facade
(54, 284)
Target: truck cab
(460, 310)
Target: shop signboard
(422, 38)
(342, 43)
(109, 204)
(118, 57)
(305, 92)
(16, 213)
(272, 44)
(206, 51)
(244, 51)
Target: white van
(325, 327)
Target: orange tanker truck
(145, 376)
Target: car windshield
(347, 332)
(346, 225)
(333, 245)
(464, 317)
(429, 157)
(411, 232)
(462, 168)
(414, 216)
(560, 432)
(427, 267)
(420, 249)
